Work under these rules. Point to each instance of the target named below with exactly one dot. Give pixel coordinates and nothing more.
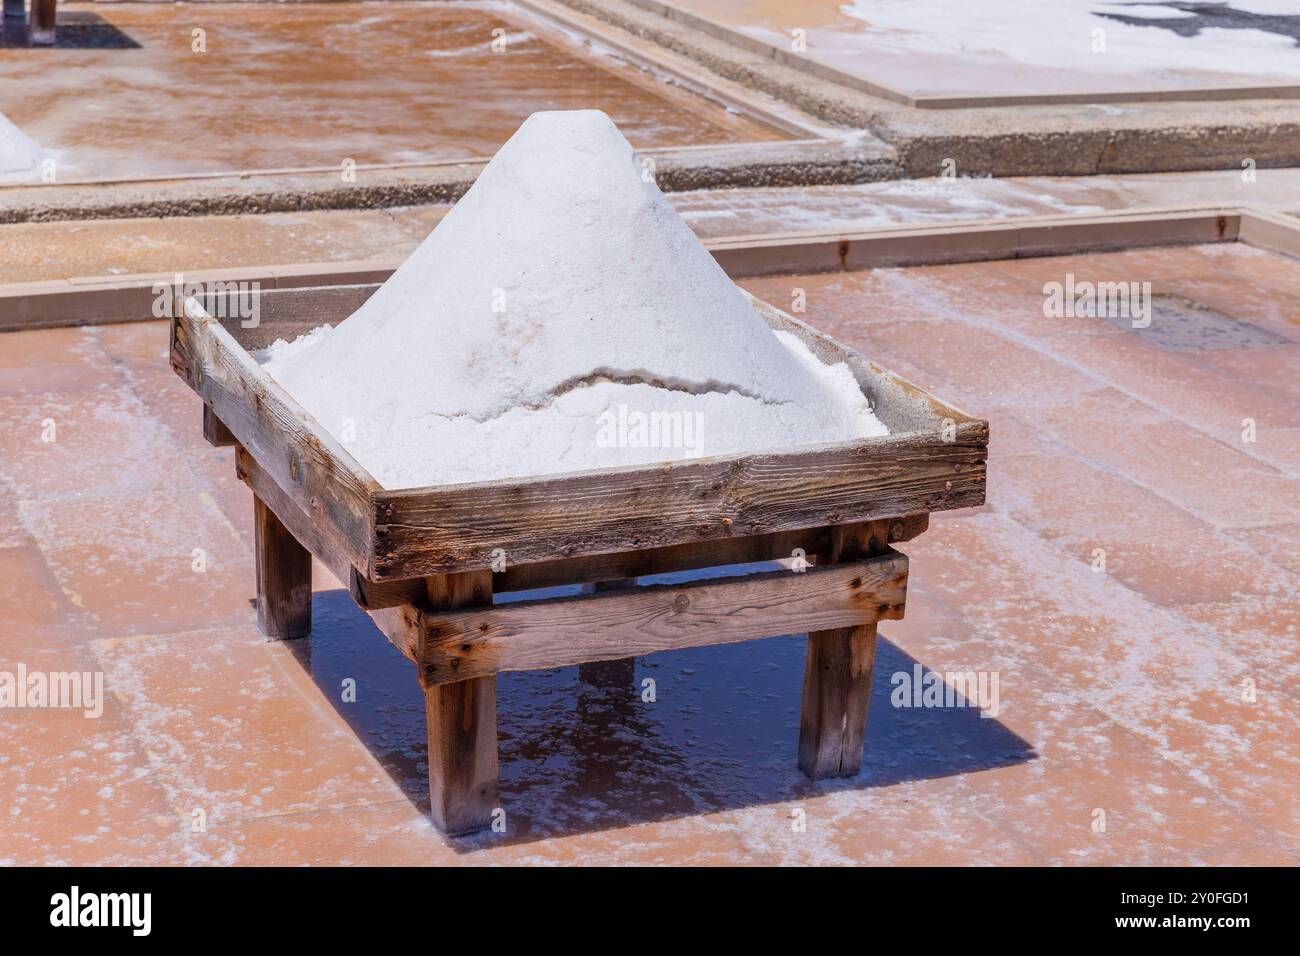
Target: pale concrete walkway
(31, 252)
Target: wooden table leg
(215, 431)
(837, 675)
(461, 719)
(619, 673)
(283, 578)
(41, 31)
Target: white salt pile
(561, 317)
(19, 153)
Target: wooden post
(283, 578)
(41, 32)
(461, 719)
(619, 673)
(215, 431)
(837, 674)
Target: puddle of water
(1185, 325)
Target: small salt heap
(561, 317)
(19, 153)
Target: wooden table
(426, 562)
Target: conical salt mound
(563, 270)
(18, 152)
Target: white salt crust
(1059, 34)
(552, 313)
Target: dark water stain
(1211, 15)
(74, 30)
(1181, 323)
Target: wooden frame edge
(456, 645)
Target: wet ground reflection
(583, 752)
(76, 30)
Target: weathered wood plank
(257, 317)
(1274, 231)
(429, 531)
(290, 446)
(837, 674)
(283, 578)
(531, 635)
(321, 538)
(214, 432)
(617, 673)
(373, 595)
(742, 549)
(836, 695)
(594, 569)
(462, 724)
(992, 239)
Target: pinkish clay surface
(1120, 690)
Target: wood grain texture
(372, 595)
(532, 635)
(836, 695)
(308, 465)
(594, 569)
(837, 675)
(433, 530)
(283, 578)
(461, 719)
(715, 552)
(618, 673)
(321, 538)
